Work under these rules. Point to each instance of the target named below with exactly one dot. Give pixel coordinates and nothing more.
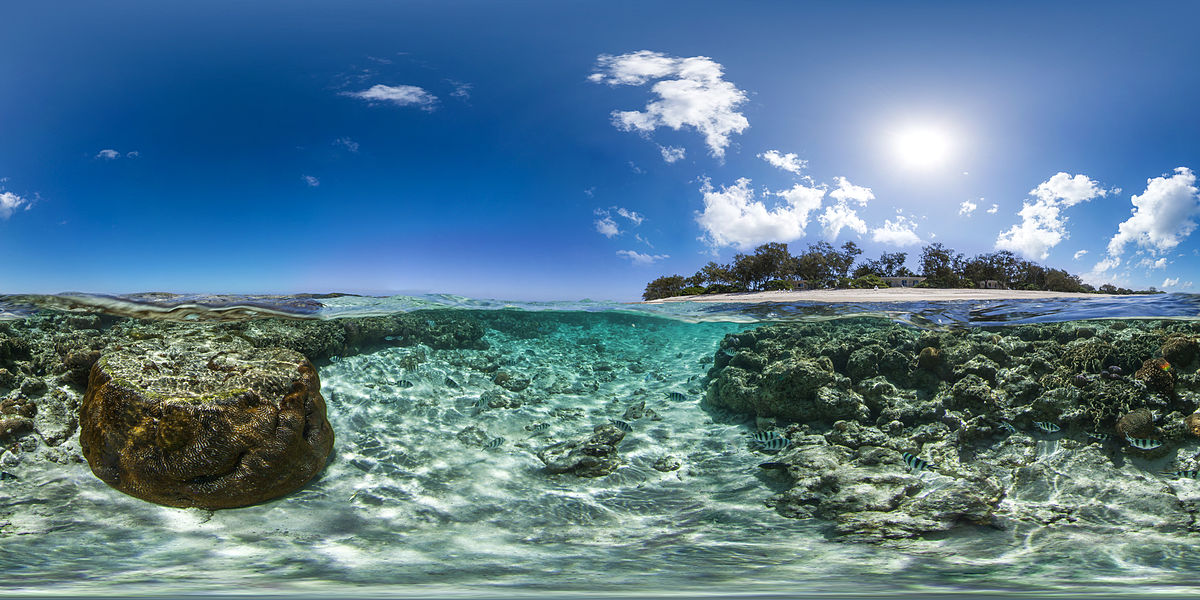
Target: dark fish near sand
(1047, 426)
(778, 466)
(452, 384)
(916, 464)
(1099, 437)
(5, 475)
(494, 443)
(676, 397)
(404, 383)
(539, 427)
(1188, 474)
(1143, 443)
(622, 425)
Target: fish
(494, 443)
(452, 384)
(539, 427)
(763, 437)
(389, 338)
(1188, 474)
(1047, 426)
(677, 397)
(1143, 443)
(480, 404)
(774, 444)
(916, 464)
(729, 352)
(6, 475)
(1100, 437)
(622, 425)
(773, 465)
(1005, 425)
(404, 383)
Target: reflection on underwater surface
(413, 502)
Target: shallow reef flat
(491, 448)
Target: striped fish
(1099, 437)
(916, 464)
(774, 444)
(1006, 426)
(763, 437)
(1047, 426)
(728, 352)
(404, 383)
(539, 427)
(1143, 443)
(676, 397)
(622, 425)
(494, 443)
(1188, 474)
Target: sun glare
(922, 147)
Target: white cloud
(311, 181)
(461, 90)
(1080, 253)
(690, 93)
(1153, 264)
(838, 217)
(788, 162)
(994, 209)
(9, 203)
(1170, 282)
(346, 143)
(672, 153)
(1107, 264)
(1162, 215)
(108, 154)
(967, 207)
(132, 154)
(642, 259)
(848, 191)
(1042, 225)
(631, 215)
(400, 95)
(734, 216)
(897, 233)
(607, 227)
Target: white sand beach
(880, 295)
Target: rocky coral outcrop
(593, 456)
(195, 422)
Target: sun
(922, 147)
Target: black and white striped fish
(1006, 426)
(763, 437)
(1143, 443)
(915, 463)
(404, 383)
(539, 427)
(1047, 426)
(1188, 474)
(773, 444)
(676, 397)
(494, 443)
(1099, 437)
(622, 425)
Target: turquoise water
(413, 504)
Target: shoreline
(880, 295)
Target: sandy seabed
(879, 295)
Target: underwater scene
(431, 446)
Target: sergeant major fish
(1188, 474)
(622, 425)
(1143, 443)
(494, 443)
(1047, 426)
(915, 463)
(1099, 437)
(774, 444)
(676, 397)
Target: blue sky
(562, 150)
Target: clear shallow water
(411, 505)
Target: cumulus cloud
(899, 232)
(631, 215)
(1080, 253)
(788, 162)
(400, 95)
(847, 192)
(1042, 224)
(967, 207)
(1106, 264)
(735, 216)
(9, 203)
(108, 154)
(346, 143)
(641, 259)
(607, 227)
(838, 217)
(672, 153)
(1170, 282)
(993, 210)
(1150, 263)
(689, 92)
(1163, 214)
(311, 181)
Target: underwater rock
(594, 456)
(13, 427)
(667, 464)
(1156, 373)
(1193, 423)
(1179, 350)
(191, 422)
(929, 359)
(1136, 424)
